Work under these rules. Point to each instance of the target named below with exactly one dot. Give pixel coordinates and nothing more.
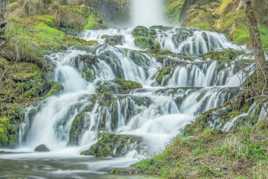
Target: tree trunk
(256, 43)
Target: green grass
(203, 152)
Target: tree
(256, 44)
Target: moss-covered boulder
(114, 145)
(145, 38)
(117, 86)
(226, 55)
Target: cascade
(98, 96)
(190, 87)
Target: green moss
(173, 9)
(21, 85)
(162, 73)
(145, 38)
(264, 35)
(7, 132)
(92, 22)
(241, 35)
(77, 17)
(35, 36)
(115, 145)
(4, 125)
(127, 85)
(227, 55)
(53, 89)
(117, 86)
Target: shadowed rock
(41, 148)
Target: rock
(113, 39)
(41, 148)
(226, 55)
(145, 38)
(117, 86)
(114, 145)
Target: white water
(170, 105)
(164, 116)
(147, 12)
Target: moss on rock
(21, 84)
(114, 145)
(226, 55)
(145, 38)
(117, 86)
(30, 38)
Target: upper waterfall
(147, 12)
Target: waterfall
(95, 97)
(147, 12)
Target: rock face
(114, 145)
(41, 148)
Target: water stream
(156, 112)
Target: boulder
(41, 148)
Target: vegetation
(35, 29)
(205, 151)
(224, 16)
(113, 145)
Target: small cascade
(121, 89)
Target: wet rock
(117, 86)
(226, 55)
(114, 145)
(113, 39)
(41, 148)
(181, 35)
(145, 38)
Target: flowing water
(156, 112)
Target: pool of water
(40, 166)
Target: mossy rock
(114, 145)
(7, 132)
(145, 38)
(163, 72)
(22, 84)
(76, 18)
(174, 9)
(113, 40)
(227, 55)
(117, 86)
